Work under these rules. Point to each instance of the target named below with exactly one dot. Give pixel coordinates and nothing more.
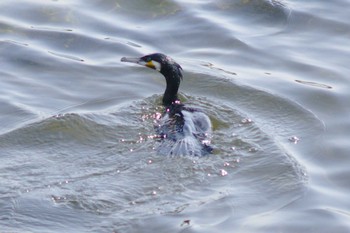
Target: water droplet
(157, 115)
(133, 203)
(206, 142)
(294, 139)
(253, 149)
(246, 121)
(226, 164)
(223, 172)
(149, 161)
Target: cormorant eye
(148, 59)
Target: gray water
(76, 125)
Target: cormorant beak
(151, 64)
(132, 60)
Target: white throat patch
(157, 65)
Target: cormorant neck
(172, 86)
(170, 95)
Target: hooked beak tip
(130, 59)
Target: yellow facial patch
(154, 65)
(150, 65)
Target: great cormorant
(183, 130)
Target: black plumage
(183, 130)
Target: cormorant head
(160, 62)
(166, 66)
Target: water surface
(77, 152)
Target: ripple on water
(105, 153)
(255, 167)
(251, 170)
(95, 168)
